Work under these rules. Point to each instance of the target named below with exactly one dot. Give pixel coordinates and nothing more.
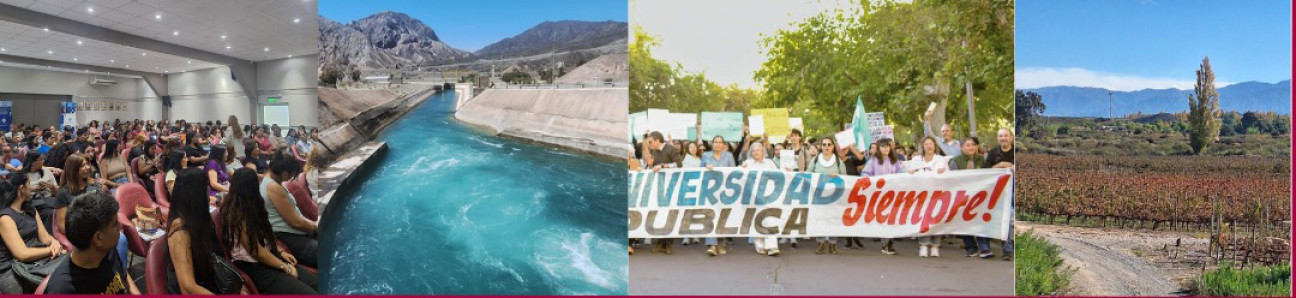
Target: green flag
(863, 135)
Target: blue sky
(471, 25)
(1131, 45)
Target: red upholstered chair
(40, 289)
(305, 203)
(128, 196)
(155, 268)
(160, 191)
(62, 239)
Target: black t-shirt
(195, 152)
(260, 163)
(853, 164)
(80, 146)
(997, 155)
(109, 278)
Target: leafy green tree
(1203, 110)
(1029, 106)
(899, 57)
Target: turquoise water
(450, 210)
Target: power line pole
(1109, 105)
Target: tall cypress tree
(1203, 110)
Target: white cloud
(1030, 78)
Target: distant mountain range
(390, 40)
(1070, 101)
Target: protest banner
(776, 123)
(726, 125)
(735, 202)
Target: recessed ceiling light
(175, 33)
(289, 56)
(112, 61)
(78, 42)
(46, 29)
(144, 54)
(296, 20)
(189, 62)
(3, 50)
(157, 17)
(51, 52)
(75, 59)
(90, 9)
(127, 65)
(223, 36)
(267, 49)
(227, 48)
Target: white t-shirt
(937, 163)
(766, 164)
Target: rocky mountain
(1092, 102)
(386, 40)
(559, 36)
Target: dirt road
(1110, 262)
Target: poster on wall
(68, 111)
(6, 115)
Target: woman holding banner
(885, 161)
(828, 163)
(764, 245)
(932, 160)
(718, 156)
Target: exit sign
(272, 99)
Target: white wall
(207, 95)
(293, 80)
(142, 102)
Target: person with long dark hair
(28, 246)
(885, 161)
(75, 183)
(175, 161)
(147, 164)
(252, 242)
(217, 178)
(192, 243)
(287, 221)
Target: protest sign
(787, 160)
(776, 123)
(638, 124)
(735, 202)
(658, 120)
(845, 138)
(756, 124)
(727, 125)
